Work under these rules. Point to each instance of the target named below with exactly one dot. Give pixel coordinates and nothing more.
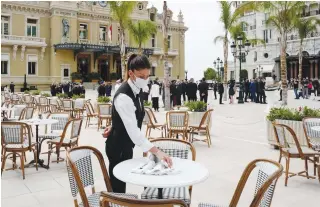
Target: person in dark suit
(262, 92)
(184, 90)
(203, 90)
(12, 87)
(108, 89)
(258, 91)
(173, 93)
(246, 89)
(101, 90)
(215, 88)
(192, 90)
(179, 92)
(220, 91)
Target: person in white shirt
(155, 94)
(127, 116)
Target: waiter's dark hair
(138, 62)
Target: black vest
(119, 138)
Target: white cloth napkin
(155, 167)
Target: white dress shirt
(155, 91)
(126, 110)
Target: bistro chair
(43, 105)
(79, 107)
(69, 138)
(110, 199)
(313, 136)
(268, 173)
(15, 99)
(104, 113)
(27, 99)
(286, 151)
(177, 123)
(90, 113)
(28, 112)
(67, 106)
(18, 112)
(55, 130)
(174, 148)
(153, 123)
(204, 126)
(15, 141)
(81, 176)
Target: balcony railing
(296, 37)
(23, 40)
(103, 42)
(160, 51)
(253, 27)
(173, 52)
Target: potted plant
(198, 108)
(35, 93)
(292, 118)
(94, 77)
(62, 95)
(74, 97)
(46, 94)
(26, 92)
(103, 99)
(147, 103)
(76, 77)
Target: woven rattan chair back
(13, 133)
(15, 97)
(90, 107)
(206, 118)
(176, 148)
(109, 199)
(177, 120)
(27, 98)
(104, 109)
(43, 101)
(28, 114)
(80, 172)
(79, 103)
(285, 143)
(18, 111)
(87, 107)
(150, 119)
(313, 136)
(268, 173)
(63, 119)
(280, 135)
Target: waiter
(127, 116)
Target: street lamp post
(218, 63)
(186, 72)
(240, 56)
(259, 69)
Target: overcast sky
(202, 19)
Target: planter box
(195, 117)
(297, 127)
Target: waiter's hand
(163, 156)
(106, 132)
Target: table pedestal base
(40, 164)
(160, 196)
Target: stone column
(296, 69)
(311, 69)
(317, 70)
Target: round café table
(190, 174)
(37, 122)
(316, 128)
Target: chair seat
(25, 145)
(65, 140)
(209, 205)
(305, 150)
(94, 199)
(181, 193)
(105, 116)
(197, 126)
(157, 125)
(315, 143)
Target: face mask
(141, 83)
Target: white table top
(191, 173)
(6, 109)
(316, 128)
(39, 121)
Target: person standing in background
(145, 92)
(231, 91)
(220, 91)
(155, 95)
(108, 89)
(215, 88)
(203, 90)
(305, 83)
(184, 90)
(295, 88)
(316, 86)
(192, 90)
(101, 90)
(11, 87)
(179, 92)
(246, 90)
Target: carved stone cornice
(93, 16)
(24, 8)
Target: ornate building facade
(267, 57)
(48, 41)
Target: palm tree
(121, 11)
(228, 19)
(304, 27)
(283, 14)
(165, 25)
(142, 31)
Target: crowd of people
(67, 88)
(308, 87)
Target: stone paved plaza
(238, 136)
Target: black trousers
(215, 94)
(204, 98)
(178, 98)
(184, 96)
(116, 156)
(280, 94)
(262, 97)
(220, 98)
(246, 96)
(258, 98)
(155, 103)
